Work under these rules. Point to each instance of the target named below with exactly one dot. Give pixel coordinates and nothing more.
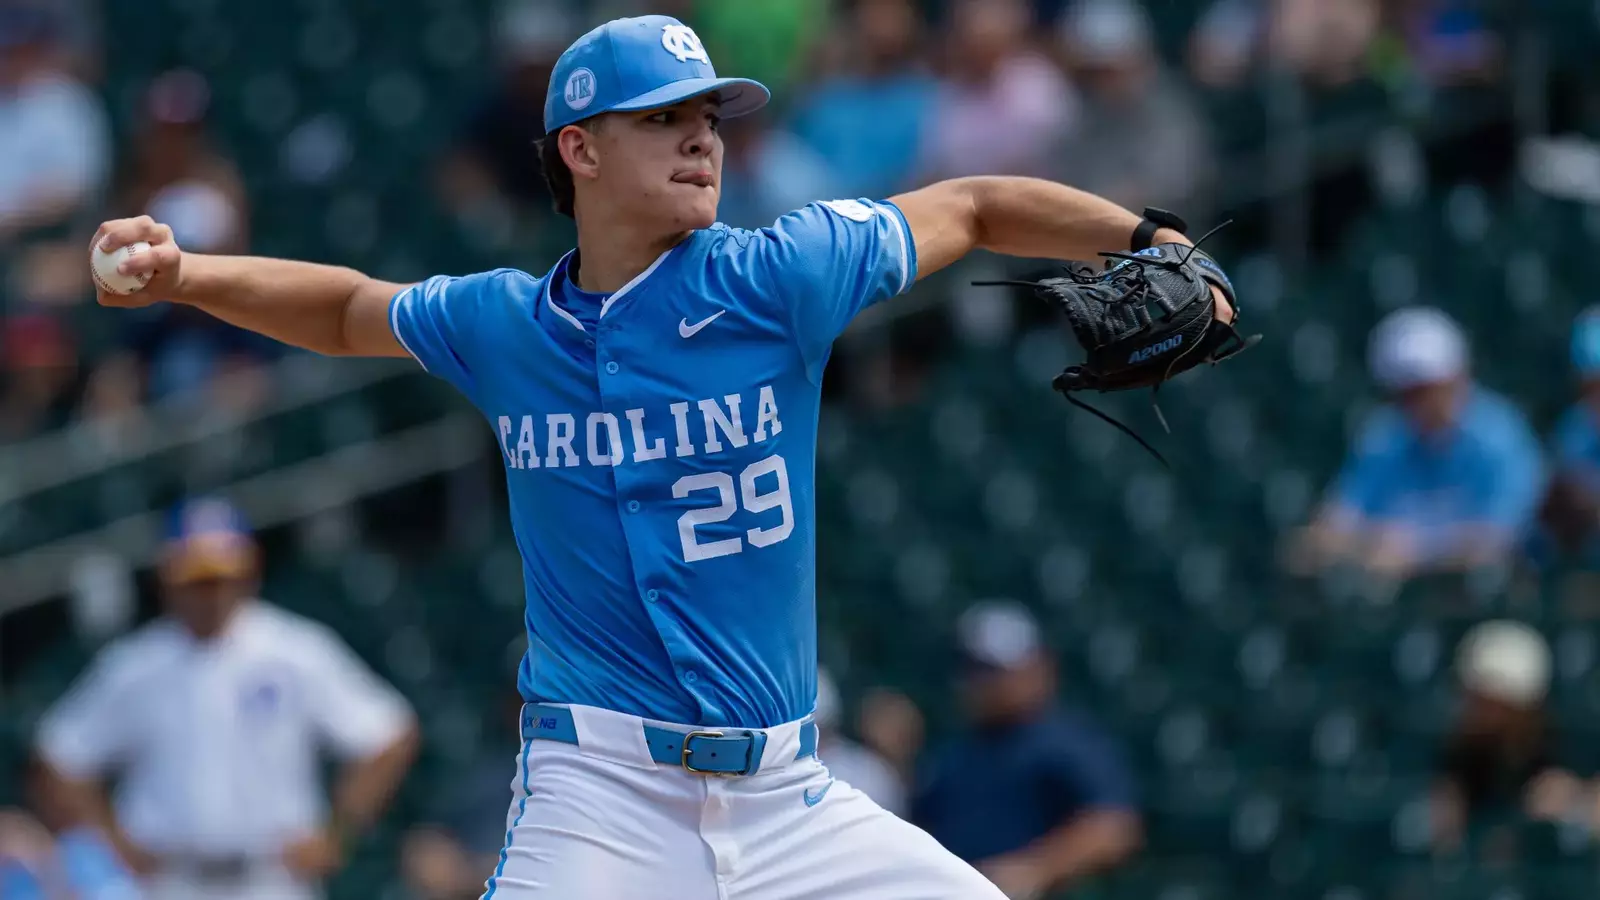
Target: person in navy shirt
(654, 399)
(1038, 798)
(1447, 476)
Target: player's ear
(578, 151)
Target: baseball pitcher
(655, 398)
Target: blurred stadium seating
(1284, 730)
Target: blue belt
(703, 752)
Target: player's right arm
(330, 310)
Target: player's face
(664, 165)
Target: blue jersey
(660, 456)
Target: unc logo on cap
(580, 88)
(683, 43)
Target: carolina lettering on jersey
(685, 428)
(659, 445)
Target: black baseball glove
(1143, 319)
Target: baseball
(104, 267)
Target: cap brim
(739, 96)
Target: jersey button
(690, 677)
(612, 368)
(633, 506)
(588, 342)
(652, 595)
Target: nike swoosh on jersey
(815, 795)
(685, 330)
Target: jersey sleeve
(87, 730)
(356, 712)
(440, 322)
(830, 260)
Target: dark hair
(557, 177)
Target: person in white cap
(1500, 760)
(1446, 476)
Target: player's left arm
(1016, 216)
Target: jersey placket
(616, 362)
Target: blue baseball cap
(208, 537)
(646, 62)
(1586, 343)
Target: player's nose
(699, 142)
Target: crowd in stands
(875, 96)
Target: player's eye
(715, 121)
(663, 117)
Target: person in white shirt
(211, 720)
(858, 766)
(55, 138)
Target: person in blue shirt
(1571, 515)
(1037, 797)
(654, 397)
(866, 120)
(1446, 476)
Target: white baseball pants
(602, 821)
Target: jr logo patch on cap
(683, 44)
(580, 88)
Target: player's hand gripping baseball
(162, 262)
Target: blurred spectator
(211, 718)
(78, 34)
(55, 142)
(766, 172)
(1445, 41)
(1445, 478)
(1140, 140)
(866, 118)
(494, 159)
(38, 368)
(37, 865)
(1571, 511)
(1327, 44)
(1035, 797)
(1499, 763)
(767, 41)
(446, 856)
(178, 176)
(74, 864)
(850, 762)
(1002, 106)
